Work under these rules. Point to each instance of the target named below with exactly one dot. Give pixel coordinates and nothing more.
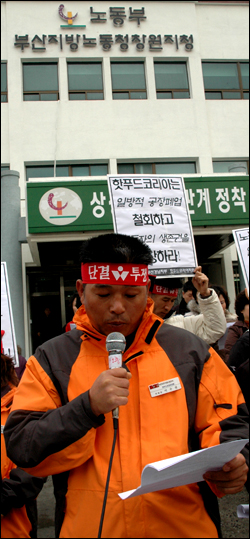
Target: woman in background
(241, 325)
(231, 318)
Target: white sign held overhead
(8, 338)
(241, 238)
(153, 208)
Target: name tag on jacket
(164, 387)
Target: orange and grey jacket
(18, 488)
(52, 429)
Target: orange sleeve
(221, 411)
(42, 436)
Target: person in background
(49, 325)
(18, 489)
(73, 305)
(188, 292)
(238, 362)
(241, 325)
(210, 324)
(231, 318)
(193, 306)
(22, 363)
(164, 292)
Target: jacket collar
(147, 329)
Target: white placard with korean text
(153, 208)
(241, 238)
(8, 337)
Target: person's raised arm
(200, 281)
(210, 325)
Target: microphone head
(115, 342)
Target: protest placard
(154, 209)
(8, 339)
(241, 238)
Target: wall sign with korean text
(241, 238)
(59, 205)
(216, 200)
(153, 208)
(130, 32)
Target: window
(128, 80)
(47, 171)
(40, 82)
(85, 80)
(182, 167)
(4, 94)
(5, 167)
(171, 80)
(175, 168)
(135, 168)
(230, 166)
(226, 80)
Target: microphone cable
(115, 424)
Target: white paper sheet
(184, 469)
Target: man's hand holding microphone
(111, 388)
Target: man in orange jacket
(61, 422)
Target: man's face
(163, 304)
(114, 307)
(187, 296)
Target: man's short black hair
(188, 285)
(115, 248)
(171, 282)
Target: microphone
(115, 344)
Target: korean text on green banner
(241, 238)
(8, 338)
(153, 208)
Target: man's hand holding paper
(232, 478)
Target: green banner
(56, 205)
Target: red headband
(162, 290)
(125, 274)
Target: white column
(150, 77)
(112, 166)
(107, 82)
(63, 80)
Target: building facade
(90, 89)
